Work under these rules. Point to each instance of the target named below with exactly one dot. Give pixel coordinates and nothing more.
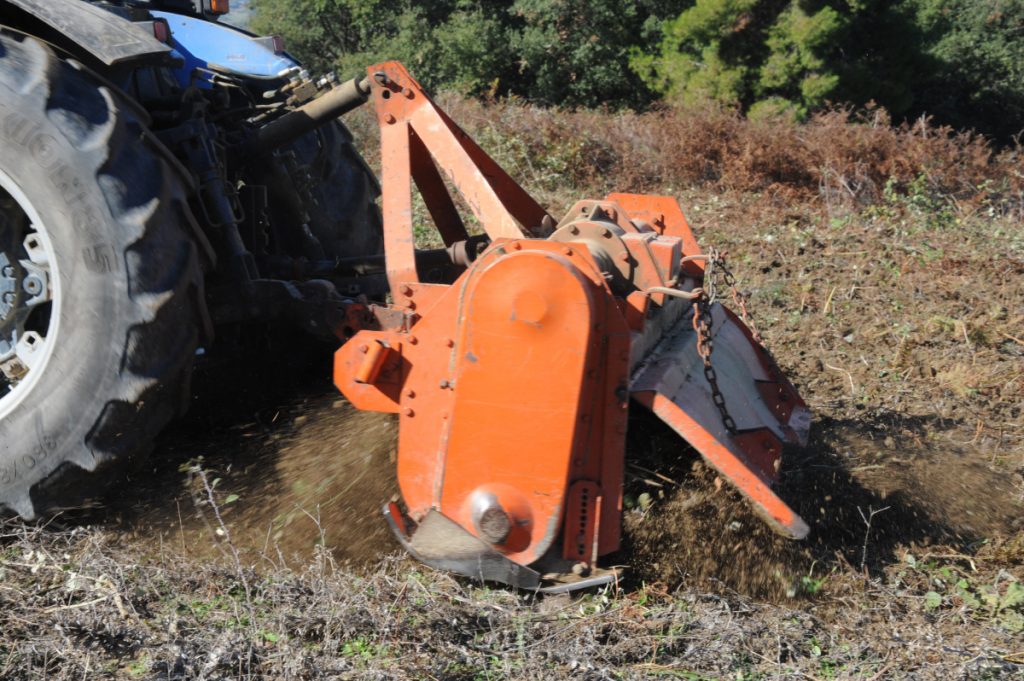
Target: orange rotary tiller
(513, 383)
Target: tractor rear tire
(338, 194)
(344, 215)
(119, 331)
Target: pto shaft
(336, 102)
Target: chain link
(714, 267)
(738, 296)
(705, 346)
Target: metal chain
(715, 267)
(705, 346)
(738, 296)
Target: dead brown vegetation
(885, 269)
(838, 157)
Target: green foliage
(796, 69)
(695, 60)
(977, 51)
(1002, 603)
(959, 60)
(565, 52)
(999, 602)
(576, 51)
(769, 57)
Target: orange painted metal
(754, 486)
(375, 355)
(512, 384)
(582, 522)
(526, 346)
(763, 451)
(417, 141)
(505, 391)
(664, 214)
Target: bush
(961, 61)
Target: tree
(576, 52)
(961, 61)
(977, 49)
(564, 52)
(756, 54)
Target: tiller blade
(513, 383)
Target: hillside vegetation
(960, 61)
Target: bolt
(406, 290)
(567, 250)
(449, 343)
(494, 524)
(515, 246)
(445, 384)
(389, 119)
(408, 93)
(408, 411)
(32, 286)
(410, 393)
(607, 234)
(364, 348)
(412, 340)
(624, 257)
(574, 229)
(8, 271)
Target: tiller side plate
(513, 383)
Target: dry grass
(886, 271)
(838, 158)
(75, 605)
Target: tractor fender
(105, 36)
(206, 45)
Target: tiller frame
(513, 383)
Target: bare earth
(251, 545)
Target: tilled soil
(288, 471)
(252, 546)
(917, 437)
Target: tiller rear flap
(513, 383)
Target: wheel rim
(29, 296)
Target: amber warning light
(219, 6)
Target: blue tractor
(161, 174)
